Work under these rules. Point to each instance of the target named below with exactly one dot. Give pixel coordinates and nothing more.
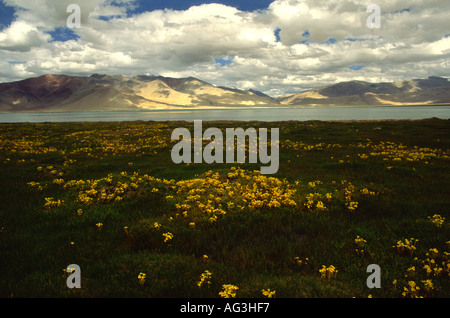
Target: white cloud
(412, 42)
(22, 36)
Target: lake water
(248, 114)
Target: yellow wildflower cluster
(268, 293)
(214, 194)
(329, 272)
(385, 150)
(348, 192)
(37, 185)
(205, 278)
(58, 181)
(437, 220)
(52, 203)
(314, 201)
(412, 290)
(399, 152)
(435, 265)
(167, 237)
(428, 285)
(366, 191)
(135, 139)
(301, 262)
(114, 188)
(51, 171)
(360, 244)
(141, 278)
(434, 260)
(207, 197)
(301, 146)
(22, 146)
(406, 246)
(229, 291)
(157, 225)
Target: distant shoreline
(203, 108)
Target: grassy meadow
(107, 197)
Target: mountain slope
(105, 92)
(433, 90)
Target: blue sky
(243, 5)
(275, 46)
(6, 15)
(7, 12)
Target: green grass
(253, 249)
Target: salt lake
(240, 114)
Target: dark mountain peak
(345, 88)
(145, 78)
(258, 93)
(98, 76)
(433, 81)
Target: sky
(277, 47)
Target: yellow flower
(205, 258)
(205, 278)
(437, 220)
(433, 252)
(428, 285)
(167, 237)
(268, 293)
(360, 242)
(328, 272)
(320, 206)
(58, 181)
(141, 278)
(352, 205)
(301, 262)
(406, 247)
(51, 203)
(99, 225)
(412, 290)
(229, 291)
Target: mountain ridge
(433, 90)
(118, 92)
(144, 92)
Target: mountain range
(433, 90)
(63, 93)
